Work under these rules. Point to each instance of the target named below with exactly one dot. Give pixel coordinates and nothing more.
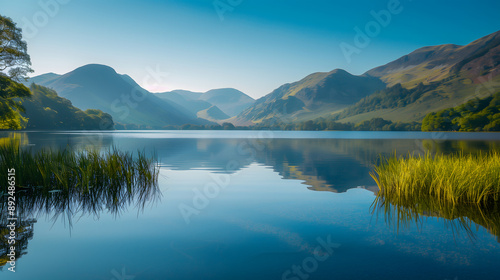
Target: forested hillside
(475, 115)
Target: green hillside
(316, 95)
(431, 79)
(397, 103)
(475, 115)
(46, 110)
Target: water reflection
(334, 165)
(405, 212)
(459, 218)
(260, 221)
(65, 205)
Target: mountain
(43, 79)
(189, 95)
(188, 100)
(213, 114)
(229, 100)
(96, 86)
(435, 63)
(46, 110)
(316, 95)
(431, 79)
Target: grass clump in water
(453, 179)
(461, 188)
(68, 170)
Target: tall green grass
(461, 188)
(64, 183)
(82, 170)
(88, 181)
(455, 179)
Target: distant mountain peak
(96, 69)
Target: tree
(14, 65)
(228, 126)
(10, 106)
(15, 62)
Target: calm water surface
(256, 205)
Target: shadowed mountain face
(43, 79)
(185, 100)
(100, 87)
(212, 114)
(315, 95)
(229, 101)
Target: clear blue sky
(255, 47)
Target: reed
(67, 170)
(463, 189)
(64, 183)
(453, 179)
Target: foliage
(14, 58)
(320, 124)
(475, 115)
(10, 106)
(46, 110)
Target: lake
(256, 205)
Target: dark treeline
(321, 124)
(475, 115)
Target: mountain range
(100, 87)
(311, 97)
(226, 102)
(407, 89)
(427, 80)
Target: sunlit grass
(461, 188)
(64, 183)
(64, 170)
(455, 179)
